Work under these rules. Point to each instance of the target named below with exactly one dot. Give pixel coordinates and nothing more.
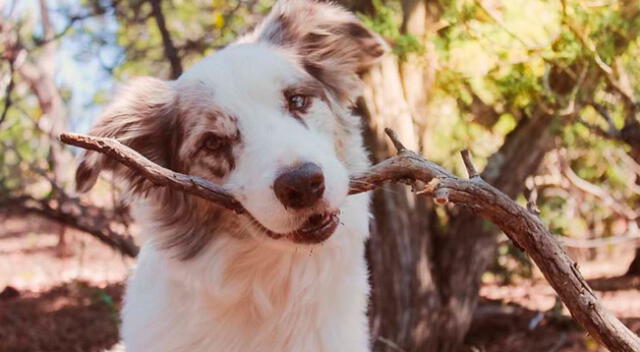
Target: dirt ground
(69, 303)
(57, 303)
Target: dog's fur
(208, 279)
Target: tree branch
(73, 213)
(169, 48)
(73, 19)
(8, 92)
(605, 69)
(613, 132)
(157, 174)
(468, 164)
(524, 228)
(599, 242)
(616, 283)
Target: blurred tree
(34, 172)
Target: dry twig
(524, 228)
(155, 173)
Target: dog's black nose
(300, 187)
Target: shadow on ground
(79, 317)
(67, 318)
(500, 327)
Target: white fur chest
(240, 296)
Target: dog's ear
(142, 116)
(331, 43)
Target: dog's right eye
(299, 103)
(214, 143)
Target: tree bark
(634, 267)
(399, 250)
(403, 290)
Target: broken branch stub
(524, 228)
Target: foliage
(385, 20)
(491, 50)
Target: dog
(271, 118)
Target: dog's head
(268, 117)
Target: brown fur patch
(139, 117)
(315, 70)
(151, 117)
(219, 162)
(357, 31)
(202, 120)
(334, 47)
(187, 225)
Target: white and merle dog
(269, 117)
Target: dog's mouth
(316, 229)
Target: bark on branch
(522, 226)
(155, 173)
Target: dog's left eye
(299, 103)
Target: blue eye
(299, 103)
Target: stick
(524, 228)
(155, 173)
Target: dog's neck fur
(240, 296)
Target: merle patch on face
(212, 137)
(216, 153)
(189, 225)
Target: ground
(50, 302)
(53, 303)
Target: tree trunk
(414, 297)
(403, 291)
(634, 267)
(467, 246)
(41, 78)
(425, 278)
